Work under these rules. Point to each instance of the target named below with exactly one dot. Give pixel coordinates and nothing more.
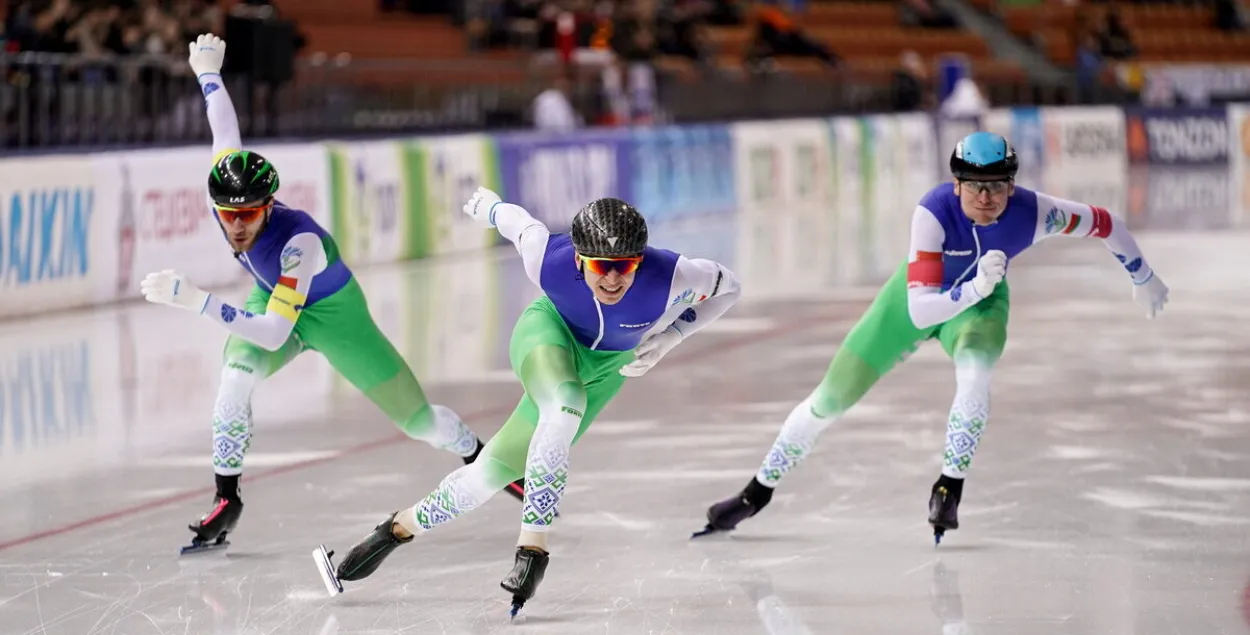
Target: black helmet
(609, 228)
(242, 177)
(984, 155)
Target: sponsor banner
(165, 219)
(368, 198)
(442, 173)
(553, 176)
(1083, 139)
(58, 236)
(918, 149)
(888, 203)
(1182, 136)
(852, 232)
(1028, 137)
(1194, 84)
(1170, 197)
(784, 169)
(1106, 188)
(1239, 163)
(682, 172)
(998, 121)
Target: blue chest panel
(617, 327)
(1012, 234)
(265, 256)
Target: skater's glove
(1151, 294)
(170, 287)
(481, 207)
(650, 351)
(207, 53)
(990, 271)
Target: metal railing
(56, 101)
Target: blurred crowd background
(113, 72)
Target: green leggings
(566, 386)
(885, 336)
(340, 328)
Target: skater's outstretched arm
(303, 257)
(704, 290)
(713, 289)
(927, 304)
(1061, 217)
(207, 54)
(514, 223)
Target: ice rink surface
(1110, 494)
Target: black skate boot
(367, 555)
(526, 574)
(944, 506)
(725, 515)
(212, 528)
(516, 488)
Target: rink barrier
(81, 230)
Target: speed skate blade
(708, 531)
(326, 569)
(202, 547)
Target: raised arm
(206, 56)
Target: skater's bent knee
(237, 382)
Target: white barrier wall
(80, 230)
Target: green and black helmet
(241, 177)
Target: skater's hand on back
(480, 205)
(169, 287)
(990, 271)
(1151, 295)
(650, 351)
(207, 54)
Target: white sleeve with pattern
(927, 305)
(703, 287)
(527, 233)
(221, 116)
(303, 257)
(1061, 217)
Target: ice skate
(525, 577)
(725, 515)
(212, 528)
(367, 555)
(943, 506)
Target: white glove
(650, 351)
(1151, 295)
(207, 53)
(479, 206)
(990, 271)
(169, 287)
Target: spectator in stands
(922, 13)
(777, 34)
(1089, 65)
(680, 29)
(909, 86)
(1229, 15)
(553, 112)
(1115, 41)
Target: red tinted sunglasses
(602, 266)
(246, 214)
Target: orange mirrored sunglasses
(246, 214)
(601, 266)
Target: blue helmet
(984, 155)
